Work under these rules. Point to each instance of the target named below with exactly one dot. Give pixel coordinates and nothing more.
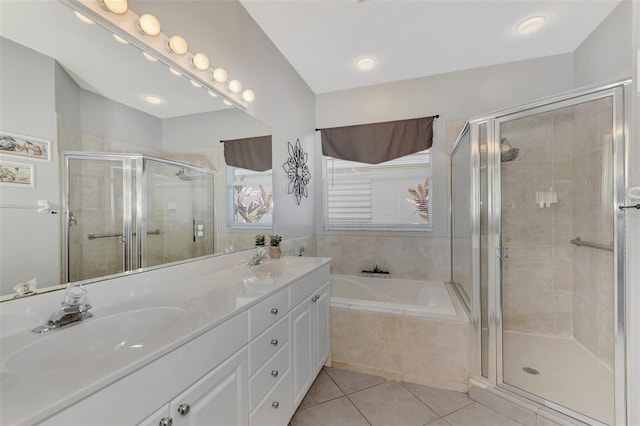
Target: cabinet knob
(274, 311)
(275, 404)
(274, 373)
(183, 409)
(274, 342)
(165, 421)
(315, 298)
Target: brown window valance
(378, 142)
(249, 153)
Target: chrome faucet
(259, 257)
(74, 308)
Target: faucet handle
(75, 295)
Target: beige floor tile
(392, 404)
(323, 389)
(478, 415)
(441, 401)
(351, 381)
(337, 412)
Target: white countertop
(210, 291)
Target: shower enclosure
(538, 250)
(125, 212)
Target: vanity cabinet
(310, 340)
(220, 397)
(253, 368)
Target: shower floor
(569, 375)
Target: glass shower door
(557, 261)
(95, 217)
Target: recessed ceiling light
(365, 64)
(531, 25)
(152, 99)
(83, 18)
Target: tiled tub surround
(418, 347)
(212, 294)
(410, 257)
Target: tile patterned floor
(341, 397)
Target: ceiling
(98, 63)
(322, 39)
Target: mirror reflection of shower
(507, 152)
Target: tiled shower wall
(549, 285)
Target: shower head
(182, 175)
(507, 152)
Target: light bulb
(119, 7)
(120, 39)
(149, 24)
(226, 102)
(174, 72)
(235, 86)
(83, 18)
(178, 45)
(219, 75)
(149, 57)
(196, 84)
(213, 94)
(200, 61)
(248, 95)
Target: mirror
(70, 86)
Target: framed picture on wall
(25, 146)
(16, 174)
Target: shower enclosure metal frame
(130, 163)
(620, 95)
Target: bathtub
(394, 296)
(405, 330)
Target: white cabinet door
(159, 418)
(321, 312)
(302, 355)
(219, 398)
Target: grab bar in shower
(94, 236)
(580, 242)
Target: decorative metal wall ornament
(297, 171)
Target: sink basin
(93, 339)
(277, 267)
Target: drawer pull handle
(275, 404)
(166, 421)
(274, 342)
(274, 373)
(183, 409)
(274, 311)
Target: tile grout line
(424, 403)
(356, 407)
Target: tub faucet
(258, 258)
(74, 308)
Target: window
(249, 198)
(392, 195)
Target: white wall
(29, 247)
(454, 95)
(230, 37)
(604, 55)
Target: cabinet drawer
(275, 408)
(268, 312)
(310, 283)
(268, 375)
(267, 344)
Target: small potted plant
(260, 240)
(274, 251)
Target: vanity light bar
(145, 34)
